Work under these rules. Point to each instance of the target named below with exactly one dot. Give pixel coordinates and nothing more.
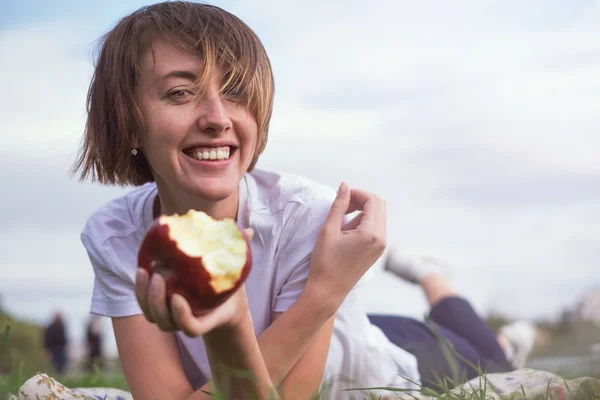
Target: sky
(476, 120)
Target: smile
(210, 153)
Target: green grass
(114, 380)
(20, 359)
(21, 343)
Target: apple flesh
(203, 259)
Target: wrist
(235, 359)
(236, 327)
(319, 300)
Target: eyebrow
(181, 74)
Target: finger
(352, 207)
(141, 292)
(185, 319)
(182, 315)
(249, 233)
(374, 208)
(335, 218)
(360, 199)
(353, 223)
(373, 224)
(158, 304)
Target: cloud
(44, 87)
(43, 196)
(556, 190)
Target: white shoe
(413, 267)
(521, 337)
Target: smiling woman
(179, 106)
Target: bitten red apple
(203, 259)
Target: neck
(167, 204)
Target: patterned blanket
(516, 385)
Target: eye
(235, 95)
(180, 94)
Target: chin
(215, 191)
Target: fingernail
(154, 284)
(342, 188)
(175, 305)
(139, 275)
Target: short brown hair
(114, 119)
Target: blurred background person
(55, 343)
(94, 350)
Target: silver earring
(134, 152)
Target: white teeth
(221, 153)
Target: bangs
(227, 47)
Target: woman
(179, 106)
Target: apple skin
(184, 274)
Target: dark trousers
(455, 344)
(59, 359)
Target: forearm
(286, 340)
(304, 380)
(237, 366)
(290, 335)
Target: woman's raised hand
(343, 253)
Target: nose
(213, 117)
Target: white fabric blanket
(520, 384)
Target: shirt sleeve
(114, 267)
(298, 241)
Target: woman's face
(195, 145)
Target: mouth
(210, 154)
